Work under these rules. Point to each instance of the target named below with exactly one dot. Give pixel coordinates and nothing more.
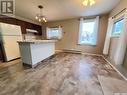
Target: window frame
(115, 21)
(54, 28)
(96, 27)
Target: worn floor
(120, 67)
(6, 64)
(112, 86)
(63, 74)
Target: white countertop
(37, 41)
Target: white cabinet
(34, 52)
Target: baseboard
(71, 51)
(92, 54)
(57, 51)
(80, 52)
(115, 68)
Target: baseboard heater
(72, 51)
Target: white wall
(119, 7)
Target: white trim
(57, 51)
(115, 36)
(72, 51)
(49, 30)
(76, 51)
(80, 29)
(118, 19)
(92, 54)
(114, 68)
(108, 36)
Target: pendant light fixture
(40, 17)
(88, 2)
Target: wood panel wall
(24, 25)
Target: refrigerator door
(9, 29)
(11, 47)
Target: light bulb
(88, 2)
(39, 20)
(85, 2)
(92, 2)
(36, 17)
(45, 20)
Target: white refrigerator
(9, 35)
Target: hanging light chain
(40, 16)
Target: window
(54, 33)
(117, 26)
(88, 31)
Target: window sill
(86, 45)
(115, 36)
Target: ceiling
(62, 9)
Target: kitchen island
(33, 52)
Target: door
(11, 47)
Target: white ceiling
(62, 9)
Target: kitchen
(12, 34)
(63, 47)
